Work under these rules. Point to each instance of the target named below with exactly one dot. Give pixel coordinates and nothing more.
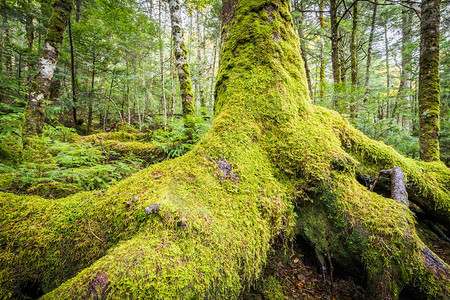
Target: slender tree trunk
(322, 51)
(403, 99)
(335, 45)
(181, 59)
(198, 82)
(369, 50)
(91, 95)
(161, 63)
(354, 62)
(35, 112)
(72, 69)
(342, 59)
(29, 30)
(128, 92)
(429, 86)
(388, 69)
(213, 72)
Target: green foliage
(181, 137)
(55, 166)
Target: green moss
(212, 235)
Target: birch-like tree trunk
(429, 87)
(181, 59)
(40, 85)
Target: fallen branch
(90, 229)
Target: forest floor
(298, 276)
(86, 164)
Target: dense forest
(265, 149)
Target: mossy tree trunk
(429, 86)
(181, 62)
(40, 83)
(202, 225)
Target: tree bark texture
(354, 62)
(322, 50)
(40, 84)
(335, 43)
(181, 62)
(272, 165)
(73, 77)
(369, 51)
(404, 92)
(429, 85)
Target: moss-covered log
(41, 81)
(429, 85)
(271, 164)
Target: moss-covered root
(359, 228)
(209, 238)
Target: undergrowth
(60, 163)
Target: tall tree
(72, 73)
(322, 51)
(202, 226)
(369, 50)
(181, 59)
(405, 76)
(354, 61)
(429, 86)
(161, 64)
(335, 45)
(40, 86)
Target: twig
(87, 198)
(12, 192)
(331, 275)
(378, 178)
(89, 223)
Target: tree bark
(369, 50)
(40, 85)
(73, 77)
(354, 62)
(335, 45)
(322, 50)
(181, 62)
(388, 67)
(403, 99)
(429, 85)
(161, 64)
(91, 94)
(202, 225)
